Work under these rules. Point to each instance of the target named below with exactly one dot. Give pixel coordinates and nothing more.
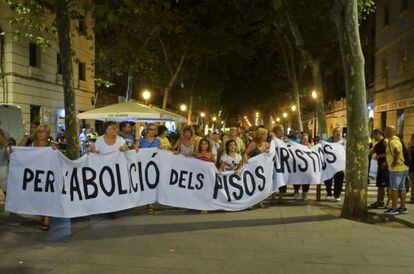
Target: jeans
(338, 180)
(397, 180)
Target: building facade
(30, 77)
(394, 69)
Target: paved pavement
(294, 237)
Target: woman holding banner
(304, 140)
(110, 141)
(42, 140)
(204, 151)
(186, 145)
(257, 146)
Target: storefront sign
(405, 103)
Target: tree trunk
(190, 111)
(128, 91)
(71, 121)
(345, 13)
(298, 116)
(320, 105)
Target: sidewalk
(291, 238)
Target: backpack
(406, 153)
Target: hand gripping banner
(44, 182)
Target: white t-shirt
(230, 163)
(104, 148)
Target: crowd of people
(229, 151)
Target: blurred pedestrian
(338, 178)
(162, 136)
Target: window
(34, 55)
(386, 21)
(82, 25)
(404, 5)
(402, 60)
(58, 64)
(82, 71)
(383, 120)
(400, 122)
(34, 114)
(384, 69)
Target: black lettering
(157, 175)
(141, 179)
(200, 177)
(190, 181)
(259, 174)
(50, 179)
(246, 187)
(132, 186)
(74, 185)
(226, 188)
(234, 181)
(89, 181)
(112, 178)
(328, 152)
(293, 160)
(37, 180)
(284, 157)
(218, 184)
(299, 154)
(173, 177)
(28, 176)
(182, 178)
(119, 181)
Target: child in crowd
(204, 151)
(231, 160)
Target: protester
(125, 131)
(230, 160)
(338, 178)
(198, 135)
(204, 151)
(398, 171)
(42, 140)
(61, 140)
(92, 135)
(28, 139)
(232, 135)
(383, 177)
(83, 138)
(411, 171)
(110, 141)
(186, 145)
(304, 140)
(162, 136)
(149, 140)
(215, 145)
(278, 132)
(257, 146)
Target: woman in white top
(231, 160)
(110, 141)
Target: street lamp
(257, 114)
(214, 118)
(183, 107)
(314, 94)
(277, 119)
(284, 115)
(293, 108)
(146, 94)
(202, 114)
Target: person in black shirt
(382, 181)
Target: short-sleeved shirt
(392, 144)
(102, 147)
(143, 143)
(379, 149)
(230, 163)
(165, 143)
(129, 139)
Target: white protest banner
(44, 182)
(297, 164)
